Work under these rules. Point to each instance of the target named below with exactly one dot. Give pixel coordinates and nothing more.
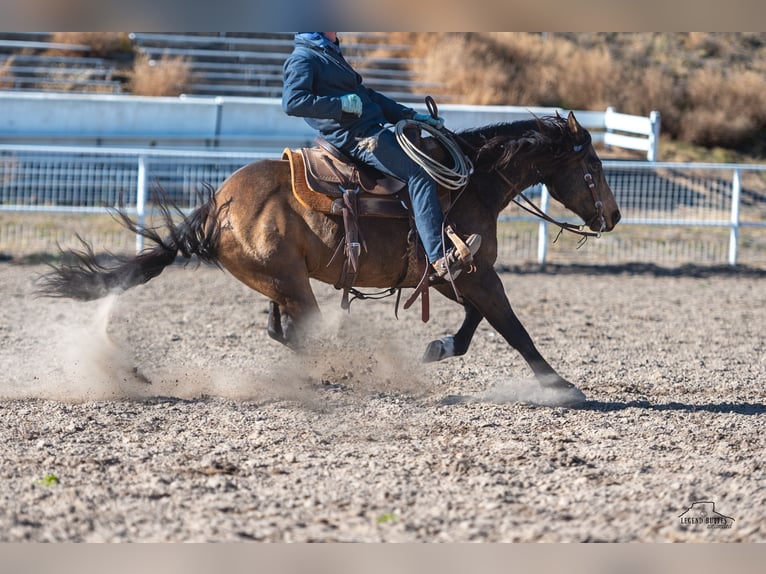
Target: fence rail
(673, 212)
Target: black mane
(497, 146)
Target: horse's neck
(514, 179)
(512, 183)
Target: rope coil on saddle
(449, 178)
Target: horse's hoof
(555, 382)
(439, 349)
(561, 393)
(570, 397)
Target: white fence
(668, 195)
(245, 123)
(672, 212)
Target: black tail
(87, 279)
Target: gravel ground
(167, 414)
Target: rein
(537, 212)
(563, 225)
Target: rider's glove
(438, 123)
(351, 104)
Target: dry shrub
(583, 77)
(483, 69)
(6, 76)
(468, 69)
(102, 44)
(528, 59)
(647, 90)
(513, 68)
(640, 92)
(167, 76)
(693, 40)
(724, 109)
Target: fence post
(736, 187)
(609, 111)
(542, 232)
(654, 137)
(140, 201)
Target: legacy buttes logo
(703, 513)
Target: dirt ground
(167, 414)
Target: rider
(321, 87)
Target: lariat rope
(449, 178)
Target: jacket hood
(316, 39)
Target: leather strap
(422, 289)
(352, 245)
(463, 252)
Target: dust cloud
(530, 391)
(75, 354)
(526, 391)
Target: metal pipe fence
(673, 213)
(668, 196)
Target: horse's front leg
(486, 293)
(457, 344)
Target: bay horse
(254, 227)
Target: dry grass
(708, 87)
(513, 68)
(102, 44)
(729, 108)
(6, 76)
(164, 77)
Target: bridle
(581, 230)
(531, 207)
(596, 200)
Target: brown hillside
(709, 87)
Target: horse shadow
(634, 269)
(748, 409)
(717, 408)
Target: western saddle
(326, 180)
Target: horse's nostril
(616, 216)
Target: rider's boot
(453, 264)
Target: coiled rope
(451, 178)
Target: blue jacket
(315, 77)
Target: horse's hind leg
(292, 305)
(281, 327)
(275, 323)
(457, 344)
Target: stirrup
(457, 259)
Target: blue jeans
(389, 158)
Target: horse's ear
(573, 125)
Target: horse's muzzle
(613, 220)
(609, 222)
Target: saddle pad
(369, 205)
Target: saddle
(321, 174)
(324, 179)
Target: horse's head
(576, 179)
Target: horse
(253, 227)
